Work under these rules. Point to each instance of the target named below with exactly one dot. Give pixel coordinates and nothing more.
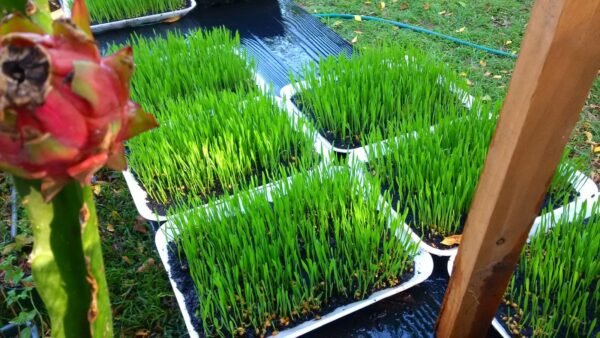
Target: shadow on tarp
(279, 35)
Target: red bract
(64, 110)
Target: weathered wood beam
(558, 62)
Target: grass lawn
(141, 296)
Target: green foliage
(433, 175)
(556, 281)
(102, 11)
(376, 92)
(215, 143)
(257, 265)
(199, 62)
(211, 140)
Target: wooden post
(559, 60)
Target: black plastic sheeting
(282, 37)
(279, 35)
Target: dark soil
(181, 275)
(349, 143)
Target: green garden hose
(418, 29)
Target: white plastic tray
(141, 198)
(422, 270)
(133, 22)
(289, 91)
(586, 189)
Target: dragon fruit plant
(64, 114)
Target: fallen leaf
(597, 150)
(8, 248)
(460, 30)
(426, 6)
(110, 227)
(337, 23)
(358, 18)
(358, 32)
(97, 189)
(482, 63)
(442, 12)
(469, 83)
(463, 74)
(142, 333)
(126, 260)
(140, 228)
(354, 40)
(147, 264)
(382, 5)
(508, 42)
(404, 6)
(452, 240)
(594, 106)
(589, 137)
(486, 74)
(172, 19)
(497, 77)
(486, 98)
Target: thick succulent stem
(66, 261)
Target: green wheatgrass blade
(182, 65)
(555, 286)
(375, 91)
(215, 135)
(267, 266)
(433, 176)
(208, 144)
(102, 11)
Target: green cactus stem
(66, 261)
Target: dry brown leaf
(142, 333)
(597, 150)
(141, 228)
(460, 30)
(452, 240)
(147, 264)
(404, 6)
(126, 260)
(588, 136)
(171, 20)
(426, 6)
(486, 74)
(482, 63)
(594, 106)
(110, 227)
